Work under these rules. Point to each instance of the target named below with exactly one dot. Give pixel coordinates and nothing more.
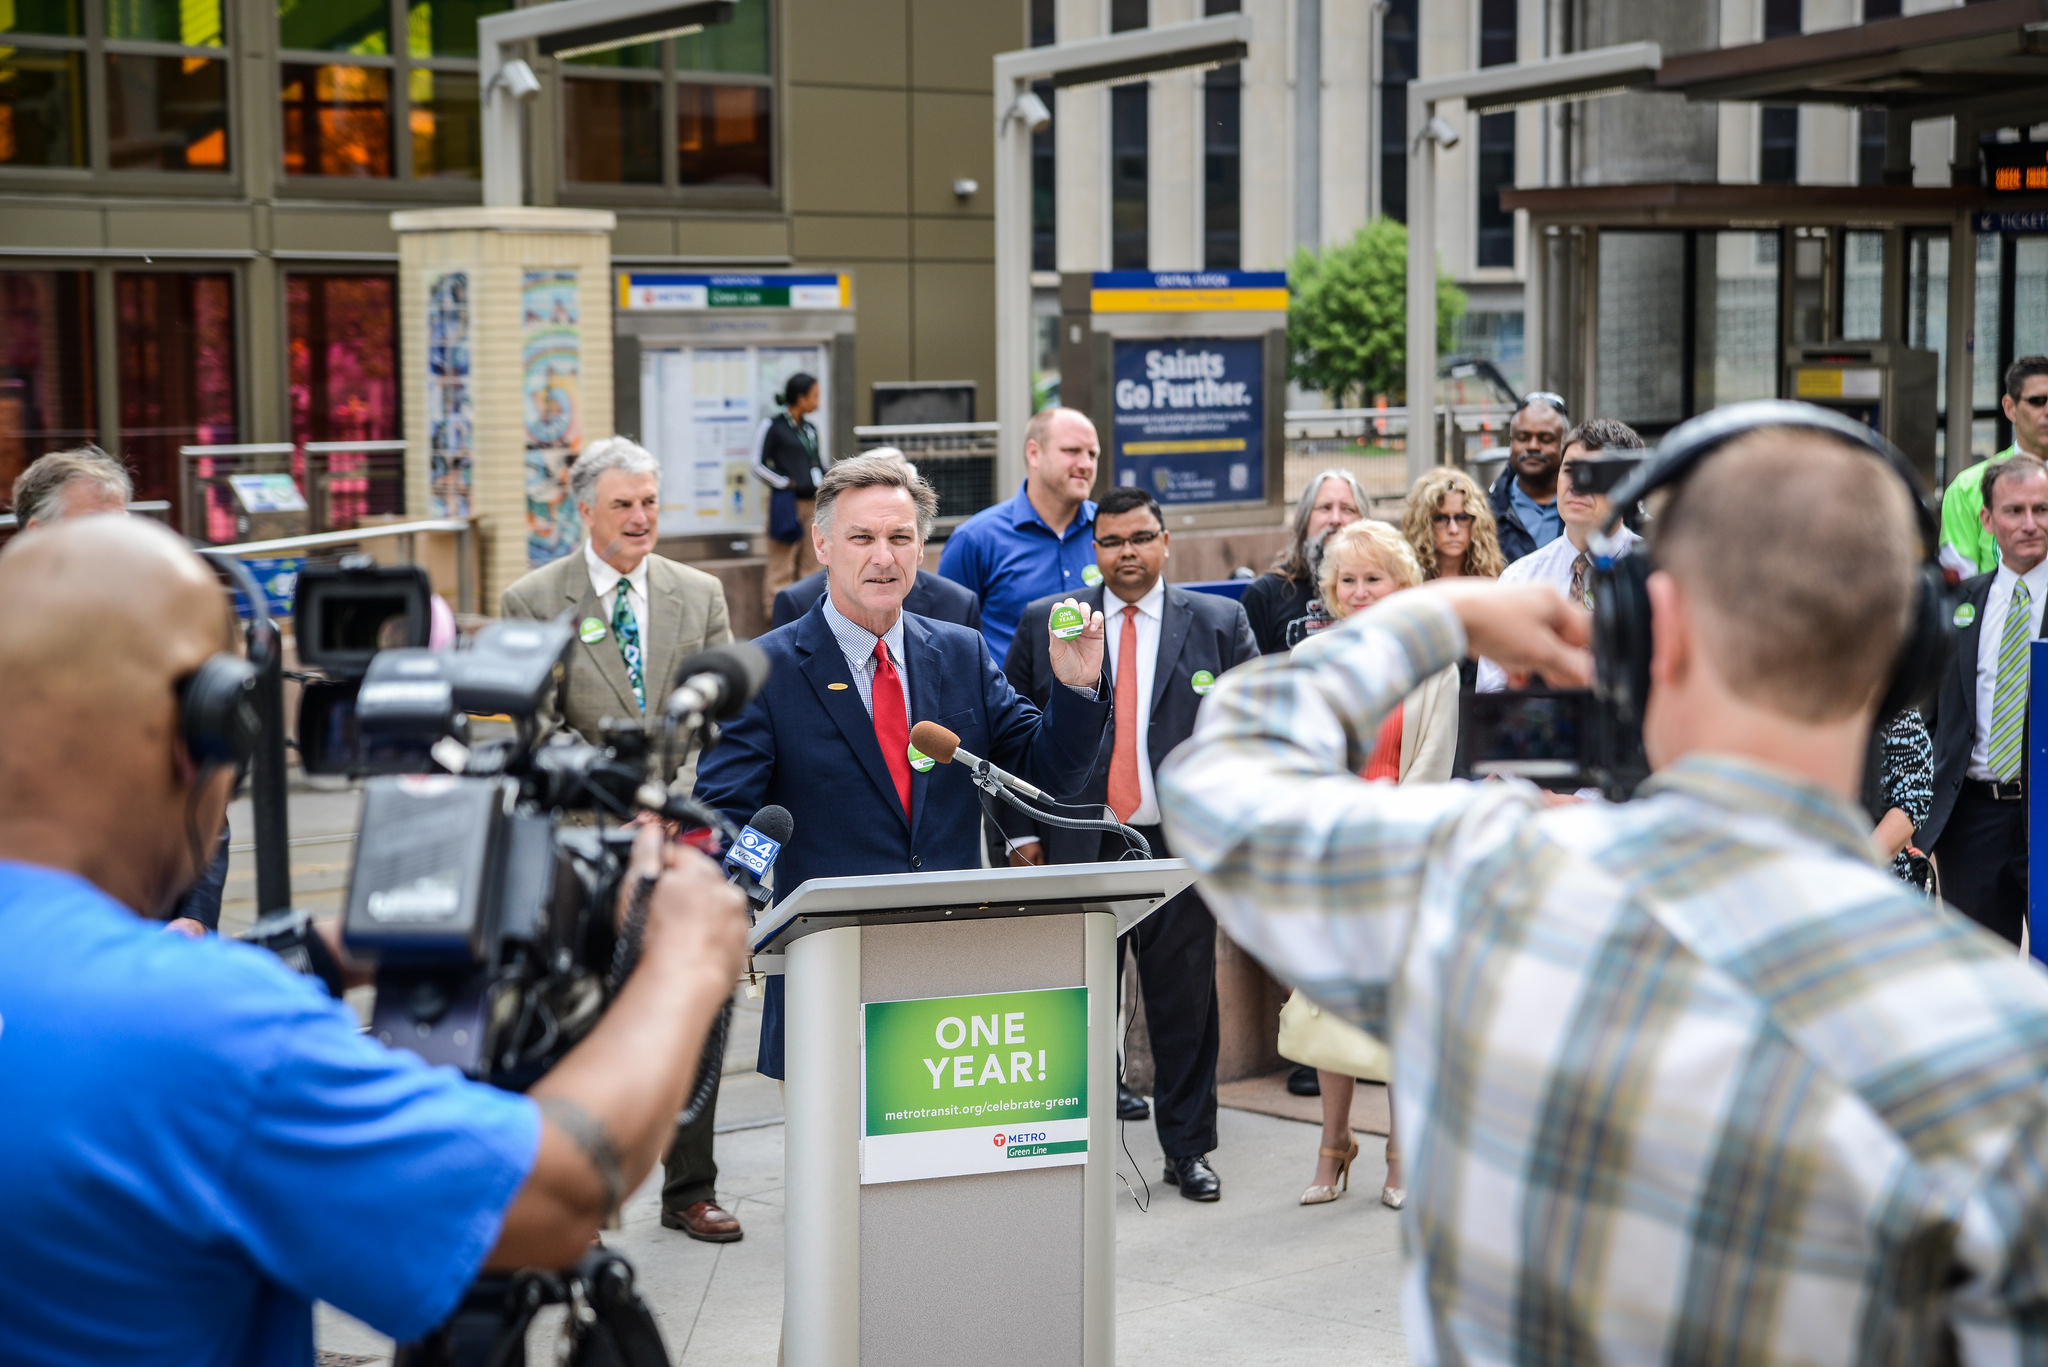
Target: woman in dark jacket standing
(786, 459)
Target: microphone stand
(995, 787)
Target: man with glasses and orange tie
(1166, 649)
(1967, 546)
(1977, 828)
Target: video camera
(1563, 739)
(485, 875)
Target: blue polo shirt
(196, 1144)
(1008, 555)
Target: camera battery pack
(423, 888)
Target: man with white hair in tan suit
(638, 616)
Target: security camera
(518, 80)
(965, 187)
(1439, 131)
(1031, 111)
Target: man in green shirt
(1966, 544)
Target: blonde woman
(1450, 527)
(1363, 563)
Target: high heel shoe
(1319, 1195)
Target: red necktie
(892, 724)
(1124, 793)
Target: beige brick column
(492, 251)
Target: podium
(950, 1111)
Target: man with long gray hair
(1332, 499)
(638, 615)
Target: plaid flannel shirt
(1690, 1079)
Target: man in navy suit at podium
(828, 737)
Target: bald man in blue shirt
(1040, 542)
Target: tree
(1347, 324)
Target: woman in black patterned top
(1899, 790)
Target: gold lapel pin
(837, 688)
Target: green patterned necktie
(2009, 696)
(626, 627)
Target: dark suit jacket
(811, 747)
(1198, 631)
(1515, 541)
(1952, 720)
(942, 600)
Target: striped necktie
(2009, 697)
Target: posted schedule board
(1191, 417)
(959, 1085)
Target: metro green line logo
(991, 1083)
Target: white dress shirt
(1989, 635)
(603, 579)
(1151, 617)
(1550, 564)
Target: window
(713, 90)
(47, 402)
(343, 365)
(1044, 172)
(161, 67)
(1125, 15)
(1778, 145)
(1129, 117)
(1397, 67)
(380, 89)
(1222, 170)
(175, 370)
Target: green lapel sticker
(1091, 575)
(592, 631)
(1202, 681)
(1966, 613)
(919, 760)
(1068, 621)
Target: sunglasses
(1451, 519)
(1548, 400)
(2035, 401)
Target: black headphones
(1621, 599)
(217, 714)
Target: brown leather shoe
(704, 1220)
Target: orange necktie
(1124, 794)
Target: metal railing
(148, 507)
(407, 532)
(958, 459)
(342, 482)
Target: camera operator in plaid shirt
(1690, 1078)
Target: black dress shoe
(1129, 1105)
(1301, 1080)
(1195, 1178)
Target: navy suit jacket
(1197, 631)
(1952, 718)
(929, 596)
(811, 747)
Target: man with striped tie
(1978, 828)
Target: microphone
(748, 859)
(943, 746)
(715, 684)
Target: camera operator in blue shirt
(196, 1143)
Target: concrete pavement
(1253, 1279)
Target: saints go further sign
(956, 1085)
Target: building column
(1080, 131)
(1173, 185)
(1266, 185)
(1350, 134)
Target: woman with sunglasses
(1451, 528)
